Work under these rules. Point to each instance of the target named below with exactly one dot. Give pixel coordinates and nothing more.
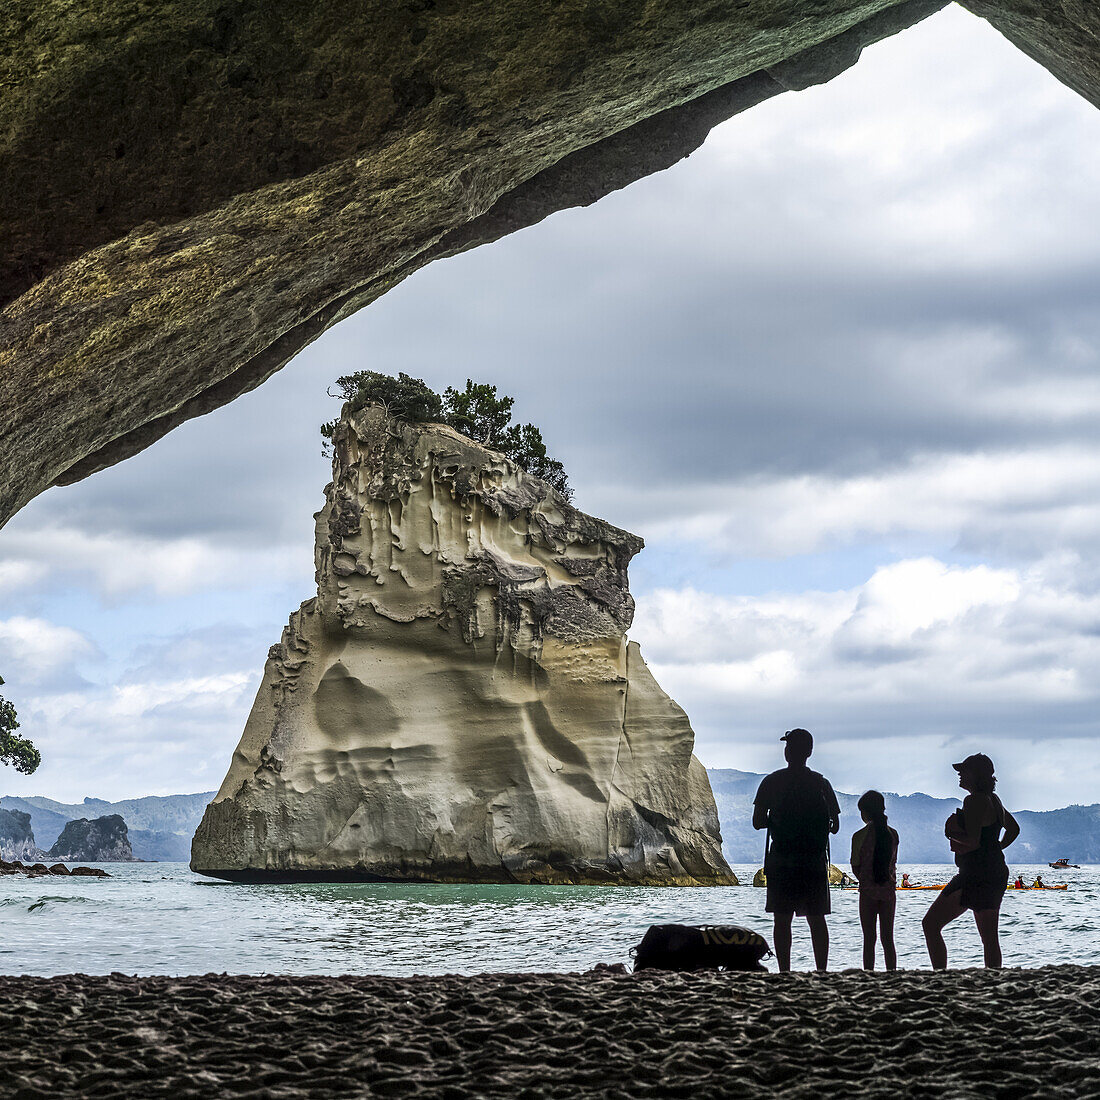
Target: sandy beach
(968, 1033)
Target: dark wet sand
(966, 1033)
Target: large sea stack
(459, 703)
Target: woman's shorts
(986, 892)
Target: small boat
(1013, 886)
(1064, 865)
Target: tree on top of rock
(478, 412)
(15, 750)
(524, 446)
(404, 397)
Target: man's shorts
(800, 890)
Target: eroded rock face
(194, 190)
(459, 702)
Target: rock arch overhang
(194, 190)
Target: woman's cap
(976, 762)
(799, 738)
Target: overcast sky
(839, 369)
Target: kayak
(907, 888)
(943, 884)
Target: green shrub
(478, 412)
(15, 750)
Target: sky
(839, 368)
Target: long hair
(873, 805)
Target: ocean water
(159, 918)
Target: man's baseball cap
(976, 762)
(799, 739)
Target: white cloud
(15, 574)
(911, 156)
(911, 598)
(922, 652)
(1032, 501)
(137, 735)
(118, 563)
(37, 649)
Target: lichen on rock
(225, 181)
(459, 702)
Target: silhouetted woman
(874, 863)
(979, 834)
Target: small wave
(41, 902)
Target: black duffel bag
(706, 947)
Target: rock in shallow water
(17, 867)
(459, 702)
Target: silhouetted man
(799, 809)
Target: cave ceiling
(194, 190)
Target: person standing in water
(874, 864)
(799, 810)
(979, 834)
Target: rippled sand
(967, 1033)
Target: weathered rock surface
(17, 836)
(101, 840)
(459, 702)
(194, 190)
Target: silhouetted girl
(874, 859)
(976, 838)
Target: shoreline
(960, 1033)
(461, 877)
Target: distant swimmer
(799, 810)
(874, 858)
(979, 834)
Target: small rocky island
(17, 837)
(459, 702)
(100, 840)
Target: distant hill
(160, 826)
(1073, 832)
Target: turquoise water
(159, 918)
